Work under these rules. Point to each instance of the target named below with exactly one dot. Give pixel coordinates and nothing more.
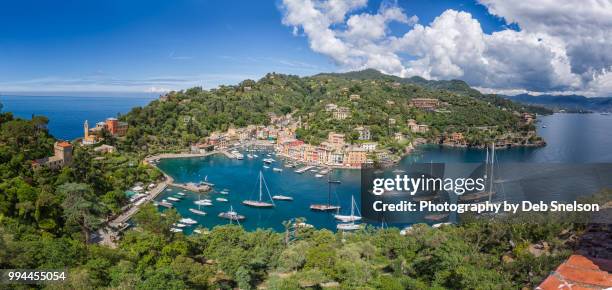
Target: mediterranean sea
(67, 114)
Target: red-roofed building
(579, 272)
(62, 157)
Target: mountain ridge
(570, 103)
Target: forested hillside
(373, 99)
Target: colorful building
(62, 157)
(426, 104)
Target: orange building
(115, 127)
(335, 139)
(355, 157)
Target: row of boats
(348, 220)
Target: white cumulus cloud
(562, 46)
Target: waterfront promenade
(110, 232)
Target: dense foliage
(184, 117)
(39, 197)
(475, 255)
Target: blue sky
(116, 46)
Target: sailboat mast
(492, 164)
(329, 188)
(491, 170)
(352, 207)
(260, 184)
(486, 172)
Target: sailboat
(198, 211)
(205, 202)
(328, 206)
(350, 224)
(260, 202)
(205, 182)
(231, 215)
(352, 217)
(488, 176)
(429, 197)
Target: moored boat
(176, 230)
(260, 202)
(172, 198)
(204, 202)
(165, 204)
(282, 197)
(435, 226)
(487, 193)
(436, 217)
(221, 199)
(197, 211)
(352, 217)
(277, 169)
(349, 227)
(231, 215)
(324, 207)
(328, 206)
(302, 225)
(188, 221)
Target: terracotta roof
(64, 144)
(580, 272)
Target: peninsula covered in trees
(387, 106)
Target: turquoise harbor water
(572, 138)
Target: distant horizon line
(82, 94)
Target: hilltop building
(416, 128)
(89, 138)
(370, 146)
(115, 127)
(425, 103)
(364, 133)
(341, 113)
(111, 125)
(62, 156)
(105, 149)
(335, 139)
(330, 107)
